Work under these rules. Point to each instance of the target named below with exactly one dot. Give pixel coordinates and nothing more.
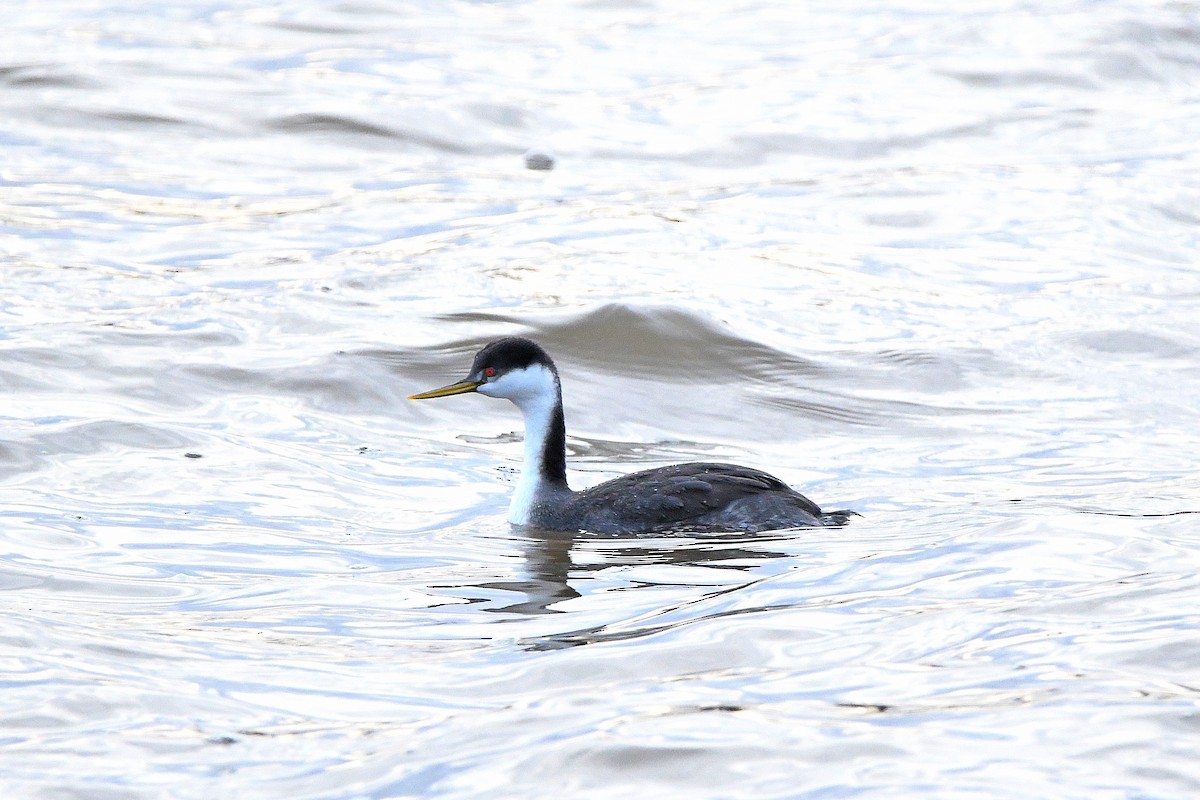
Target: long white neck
(536, 392)
(538, 417)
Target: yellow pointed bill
(462, 387)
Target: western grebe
(699, 496)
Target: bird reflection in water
(550, 568)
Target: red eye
(489, 372)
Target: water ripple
(936, 265)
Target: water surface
(936, 265)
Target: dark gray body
(701, 497)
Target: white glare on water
(932, 263)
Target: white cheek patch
(521, 385)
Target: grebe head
(513, 368)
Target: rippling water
(935, 264)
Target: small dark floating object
(539, 159)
